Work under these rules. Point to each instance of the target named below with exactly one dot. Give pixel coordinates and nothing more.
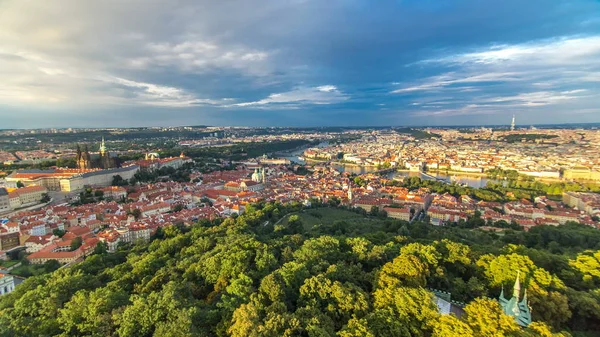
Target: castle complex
(89, 171)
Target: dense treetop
(254, 275)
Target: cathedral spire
(102, 147)
(349, 192)
(513, 307)
(517, 286)
(83, 158)
(524, 299)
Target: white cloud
(33, 78)
(469, 109)
(453, 78)
(325, 94)
(158, 95)
(539, 98)
(199, 55)
(558, 51)
(51, 71)
(72, 52)
(522, 102)
(327, 88)
(545, 62)
(557, 72)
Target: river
(296, 155)
(472, 181)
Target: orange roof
(28, 189)
(396, 210)
(55, 255)
(78, 231)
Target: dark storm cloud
(273, 62)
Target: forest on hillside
(254, 275)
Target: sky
(113, 63)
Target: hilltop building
(68, 180)
(84, 160)
(512, 307)
(106, 161)
(98, 171)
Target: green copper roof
(512, 307)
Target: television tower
(512, 124)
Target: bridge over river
(430, 177)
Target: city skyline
(298, 64)
(508, 126)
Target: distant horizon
(312, 127)
(412, 63)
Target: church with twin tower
(84, 160)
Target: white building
(38, 230)
(8, 283)
(97, 178)
(4, 201)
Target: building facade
(83, 159)
(26, 196)
(9, 241)
(8, 283)
(4, 201)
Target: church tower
(256, 176)
(83, 159)
(102, 148)
(106, 162)
(349, 192)
(519, 310)
(512, 124)
(78, 156)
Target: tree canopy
(243, 277)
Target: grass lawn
(8, 264)
(31, 270)
(312, 217)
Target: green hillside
(340, 273)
